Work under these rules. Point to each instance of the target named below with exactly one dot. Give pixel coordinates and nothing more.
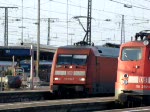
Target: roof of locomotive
(98, 50)
(133, 44)
(108, 51)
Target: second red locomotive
(133, 76)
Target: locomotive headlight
(145, 42)
(125, 82)
(70, 66)
(56, 78)
(82, 79)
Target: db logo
(143, 80)
(69, 72)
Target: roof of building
(28, 46)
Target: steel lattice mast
(122, 31)
(6, 25)
(87, 37)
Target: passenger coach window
(79, 59)
(64, 59)
(131, 54)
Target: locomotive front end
(69, 73)
(133, 78)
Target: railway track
(63, 105)
(35, 95)
(94, 104)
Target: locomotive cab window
(72, 60)
(64, 60)
(131, 54)
(79, 59)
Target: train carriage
(44, 69)
(86, 69)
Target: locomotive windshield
(79, 59)
(72, 59)
(64, 60)
(131, 54)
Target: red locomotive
(133, 76)
(84, 69)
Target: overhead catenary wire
(83, 8)
(65, 13)
(28, 20)
(130, 5)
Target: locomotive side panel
(106, 74)
(147, 61)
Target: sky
(135, 19)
